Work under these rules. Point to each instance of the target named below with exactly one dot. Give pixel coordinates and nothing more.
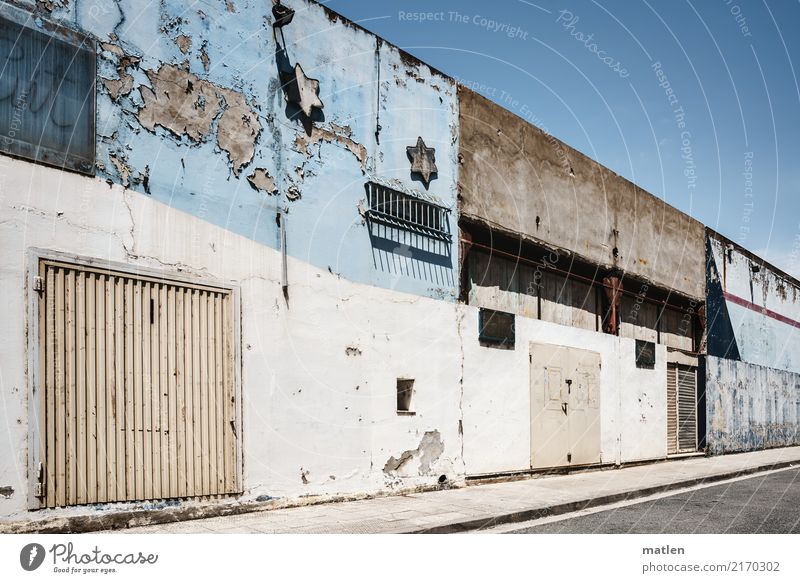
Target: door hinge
(38, 283)
(38, 487)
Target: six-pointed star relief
(423, 160)
(306, 93)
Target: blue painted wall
(319, 170)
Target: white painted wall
(497, 396)
(310, 409)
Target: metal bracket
(38, 283)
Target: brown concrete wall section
(516, 177)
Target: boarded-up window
(681, 409)
(47, 97)
(136, 388)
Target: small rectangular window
(645, 354)
(405, 390)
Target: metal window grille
(405, 211)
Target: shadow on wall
(297, 88)
(410, 235)
(400, 252)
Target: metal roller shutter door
(137, 398)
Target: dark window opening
(496, 328)
(645, 354)
(405, 390)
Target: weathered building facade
(753, 389)
(217, 208)
(259, 255)
(606, 318)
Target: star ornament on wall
(423, 160)
(303, 91)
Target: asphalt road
(763, 504)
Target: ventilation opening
(405, 390)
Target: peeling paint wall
(190, 111)
(197, 153)
(319, 404)
(520, 179)
(751, 407)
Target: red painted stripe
(761, 310)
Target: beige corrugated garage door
(137, 388)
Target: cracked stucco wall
(196, 155)
(319, 402)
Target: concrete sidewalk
(487, 505)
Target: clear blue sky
(732, 68)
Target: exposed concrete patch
(238, 130)
(6, 491)
(124, 84)
(51, 5)
(260, 179)
(184, 104)
(335, 135)
(179, 102)
(184, 43)
(113, 49)
(204, 57)
(428, 452)
(123, 170)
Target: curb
(490, 521)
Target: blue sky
(697, 102)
